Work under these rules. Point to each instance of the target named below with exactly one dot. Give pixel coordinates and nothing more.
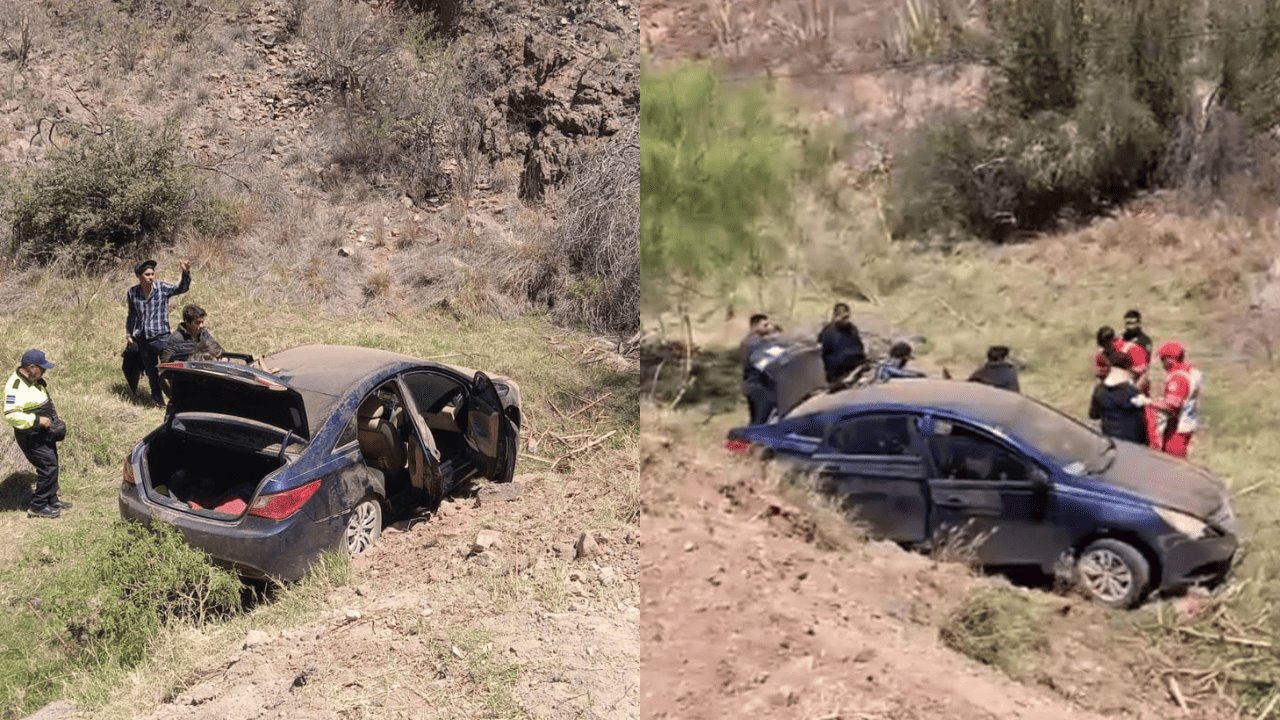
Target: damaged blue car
(920, 460)
(267, 470)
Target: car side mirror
(1040, 479)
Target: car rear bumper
(254, 547)
(1188, 562)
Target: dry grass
(586, 268)
(1044, 299)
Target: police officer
(37, 429)
(755, 384)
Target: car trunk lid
(219, 388)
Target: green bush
(980, 176)
(1085, 101)
(101, 192)
(95, 598)
(715, 166)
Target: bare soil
(429, 628)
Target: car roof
(981, 402)
(332, 369)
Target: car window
(965, 454)
(872, 435)
(348, 434)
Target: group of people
(29, 408)
(1121, 399)
(148, 337)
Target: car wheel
(1113, 573)
(513, 449)
(364, 526)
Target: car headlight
(1188, 525)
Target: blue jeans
(150, 350)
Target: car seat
(379, 435)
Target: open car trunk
(212, 467)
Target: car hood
(1166, 480)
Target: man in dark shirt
(1133, 331)
(755, 384)
(191, 341)
(842, 350)
(998, 372)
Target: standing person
(1107, 341)
(842, 350)
(29, 410)
(754, 381)
(1118, 404)
(1133, 331)
(1181, 402)
(896, 364)
(998, 372)
(192, 340)
(147, 324)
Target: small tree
(715, 167)
(105, 189)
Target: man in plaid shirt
(147, 325)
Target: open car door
(489, 433)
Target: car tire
(513, 450)
(364, 526)
(1113, 573)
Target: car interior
(386, 435)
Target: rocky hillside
(400, 153)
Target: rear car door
(872, 464)
(488, 432)
(985, 496)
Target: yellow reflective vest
(21, 399)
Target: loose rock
(586, 547)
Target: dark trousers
(150, 351)
(761, 403)
(42, 453)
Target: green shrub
(1088, 100)
(95, 598)
(716, 167)
(101, 192)
(980, 176)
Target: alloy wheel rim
(1106, 575)
(360, 528)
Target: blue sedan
(919, 459)
(267, 470)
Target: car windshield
(1062, 437)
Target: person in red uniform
(1107, 341)
(1180, 405)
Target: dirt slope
(430, 629)
(756, 604)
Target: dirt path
(742, 617)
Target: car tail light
(279, 506)
(737, 446)
(126, 476)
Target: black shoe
(43, 511)
(61, 504)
